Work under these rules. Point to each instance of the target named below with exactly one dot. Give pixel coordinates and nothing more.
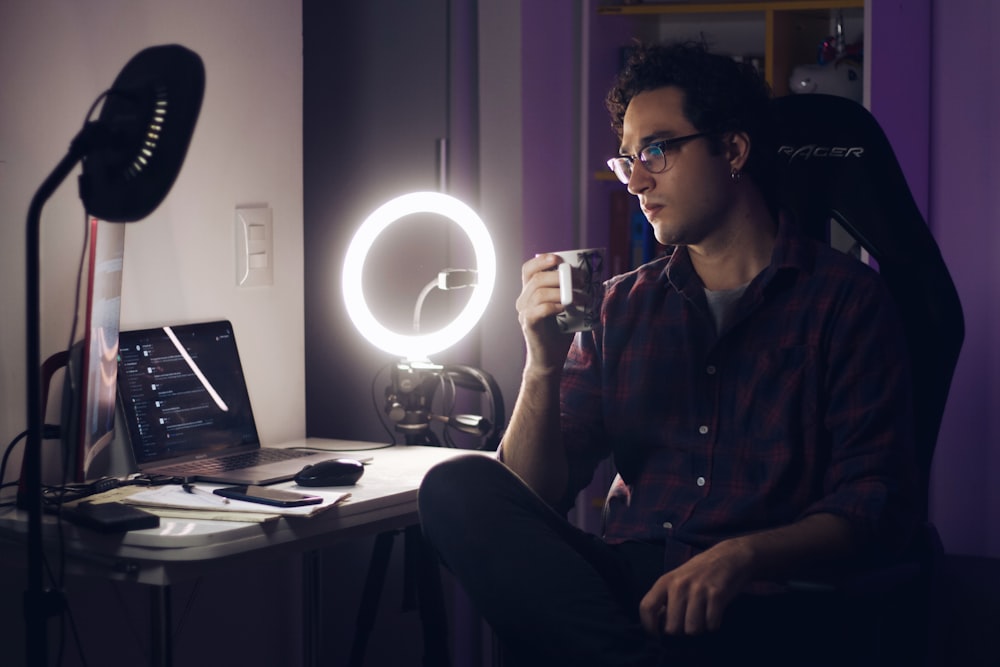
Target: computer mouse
(332, 472)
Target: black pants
(556, 595)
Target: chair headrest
(833, 160)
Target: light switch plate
(254, 246)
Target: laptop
(187, 411)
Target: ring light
(418, 347)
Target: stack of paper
(173, 501)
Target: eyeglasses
(653, 157)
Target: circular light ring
(418, 346)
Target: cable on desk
(49, 432)
(55, 496)
(378, 410)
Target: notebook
(187, 411)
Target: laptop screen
(183, 393)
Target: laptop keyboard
(235, 462)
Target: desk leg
(161, 640)
(311, 609)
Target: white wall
(56, 57)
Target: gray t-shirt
(721, 303)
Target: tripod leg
(374, 582)
(431, 599)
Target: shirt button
(710, 369)
(703, 429)
(700, 481)
(668, 525)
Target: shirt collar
(791, 252)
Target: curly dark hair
(720, 95)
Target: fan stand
(110, 191)
(39, 604)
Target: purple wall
(552, 96)
(934, 93)
(900, 85)
(550, 131)
(964, 211)
(606, 36)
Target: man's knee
(456, 489)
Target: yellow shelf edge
(728, 7)
(769, 47)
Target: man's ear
(737, 149)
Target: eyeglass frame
(663, 145)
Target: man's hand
(537, 306)
(692, 598)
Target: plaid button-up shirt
(801, 405)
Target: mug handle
(565, 283)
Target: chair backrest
(835, 163)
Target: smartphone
(268, 496)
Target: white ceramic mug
(581, 288)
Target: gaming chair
(835, 167)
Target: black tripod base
(40, 606)
(422, 581)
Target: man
(751, 388)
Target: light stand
(131, 156)
(410, 396)
(408, 400)
(414, 379)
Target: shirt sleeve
(581, 414)
(871, 476)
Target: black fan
(142, 134)
(131, 156)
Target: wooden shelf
(728, 7)
(792, 28)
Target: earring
(736, 175)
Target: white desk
(384, 499)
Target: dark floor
(112, 617)
(970, 624)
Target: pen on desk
(191, 488)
